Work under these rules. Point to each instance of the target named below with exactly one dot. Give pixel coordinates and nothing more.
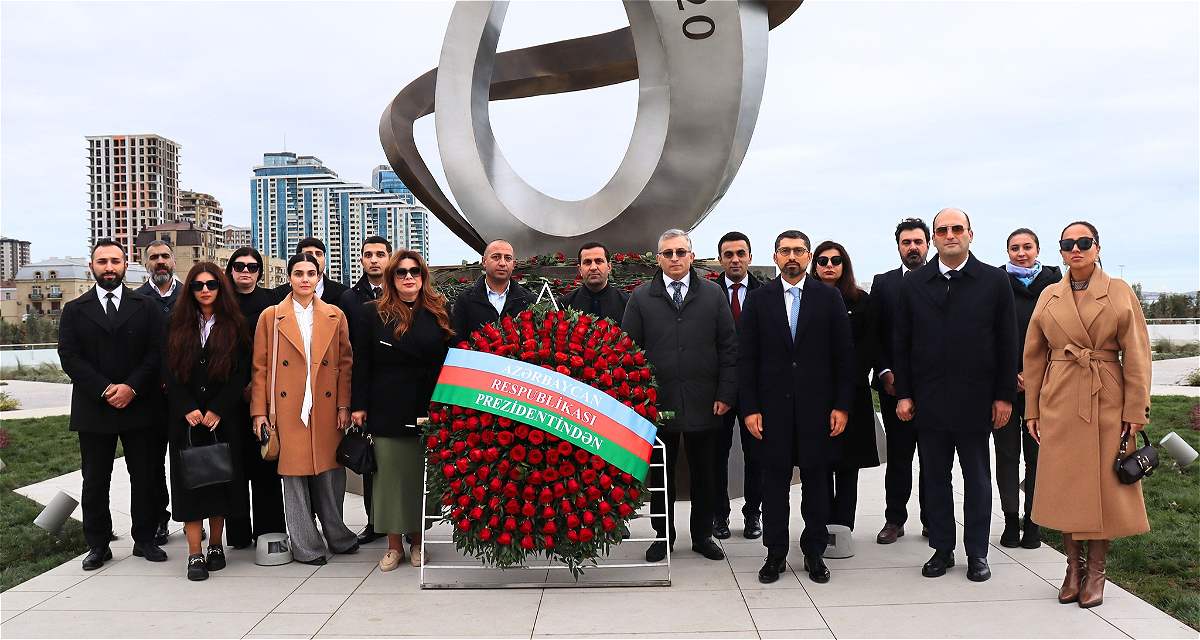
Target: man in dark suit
(375, 252)
(596, 296)
(955, 362)
(329, 291)
(912, 241)
(684, 324)
(733, 251)
(796, 376)
(494, 295)
(109, 342)
(162, 288)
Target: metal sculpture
(701, 67)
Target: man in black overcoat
(329, 291)
(796, 374)
(494, 295)
(912, 241)
(596, 296)
(109, 342)
(955, 344)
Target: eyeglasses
(249, 267)
(826, 260)
(678, 253)
(958, 230)
(787, 252)
(1067, 244)
(401, 272)
(741, 253)
(211, 285)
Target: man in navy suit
(955, 340)
(796, 376)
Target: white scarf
(304, 318)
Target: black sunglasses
(211, 285)
(825, 260)
(1067, 244)
(678, 253)
(401, 272)
(251, 267)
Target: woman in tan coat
(306, 343)
(1087, 383)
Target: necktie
(677, 297)
(737, 304)
(110, 307)
(375, 292)
(794, 314)
(950, 276)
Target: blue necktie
(795, 312)
(677, 297)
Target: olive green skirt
(398, 485)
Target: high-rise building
(202, 209)
(235, 236)
(14, 254)
(293, 197)
(133, 184)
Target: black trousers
(266, 498)
(96, 451)
(777, 510)
(1010, 440)
(898, 476)
(158, 472)
(843, 495)
(752, 476)
(368, 481)
(937, 457)
(699, 446)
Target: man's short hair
(310, 242)
(674, 233)
(793, 234)
(935, 217)
(912, 224)
(376, 240)
(594, 245)
(160, 243)
(733, 236)
(109, 242)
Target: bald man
(494, 295)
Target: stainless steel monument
(700, 67)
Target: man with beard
(109, 342)
(162, 288)
(375, 252)
(912, 241)
(494, 295)
(596, 296)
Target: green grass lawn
(40, 448)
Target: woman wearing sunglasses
(1087, 384)
(206, 367)
(831, 265)
(398, 355)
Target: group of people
(958, 352)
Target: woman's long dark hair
(228, 332)
(846, 284)
(392, 309)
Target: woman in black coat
(831, 265)
(398, 355)
(206, 367)
(1028, 277)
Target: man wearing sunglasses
(684, 323)
(494, 295)
(955, 365)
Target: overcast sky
(1021, 113)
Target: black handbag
(207, 464)
(355, 453)
(1130, 469)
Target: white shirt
(206, 328)
(944, 269)
(741, 292)
(174, 283)
(497, 299)
(304, 318)
(103, 295)
(787, 293)
(320, 290)
(686, 281)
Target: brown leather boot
(1076, 566)
(1091, 594)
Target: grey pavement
(1168, 377)
(38, 399)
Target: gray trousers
(321, 494)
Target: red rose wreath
(512, 490)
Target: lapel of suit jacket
(776, 309)
(933, 285)
(1062, 308)
(805, 315)
(130, 303)
(91, 307)
(1090, 305)
(325, 327)
(285, 315)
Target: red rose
(534, 456)
(464, 525)
(593, 494)
(448, 470)
(471, 480)
(608, 523)
(545, 496)
(582, 456)
(597, 463)
(463, 464)
(566, 507)
(589, 373)
(488, 436)
(536, 437)
(573, 521)
(549, 527)
(479, 493)
(626, 478)
(528, 510)
(641, 410)
(494, 503)
(572, 486)
(512, 507)
(456, 485)
(652, 394)
(504, 539)
(476, 513)
(634, 493)
(472, 422)
(606, 379)
(565, 448)
(588, 476)
(563, 370)
(617, 493)
(446, 454)
(572, 536)
(448, 498)
(549, 542)
(495, 485)
(639, 359)
(510, 524)
(485, 535)
(443, 434)
(486, 419)
(458, 425)
(566, 469)
(561, 358)
(552, 456)
(624, 510)
(534, 478)
(505, 438)
(619, 374)
(522, 431)
(651, 412)
(517, 453)
(548, 513)
(491, 454)
(483, 472)
(432, 443)
(604, 507)
(526, 527)
(588, 518)
(586, 535)
(581, 501)
(635, 376)
(475, 455)
(456, 514)
(543, 355)
(559, 490)
(576, 361)
(504, 422)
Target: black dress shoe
(96, 558)
(318, 561)
(708, 548)
(368, 535)
(771, 569)
(352, 550)
(160, 536)
(656, 552)
(721, 529)
(942, 559)
(815, 566)
(1011, 537)
(149, 551)
(977, 569)
(753, 529)
(215, 561)
(197, 569)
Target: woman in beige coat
(1087, 383)
(311, 392)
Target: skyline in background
(1022, 114)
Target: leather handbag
(207, 464)
(270, 447)
(355, 453)
(1131, 469)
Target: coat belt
(1089, 359)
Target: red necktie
(737, 304)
